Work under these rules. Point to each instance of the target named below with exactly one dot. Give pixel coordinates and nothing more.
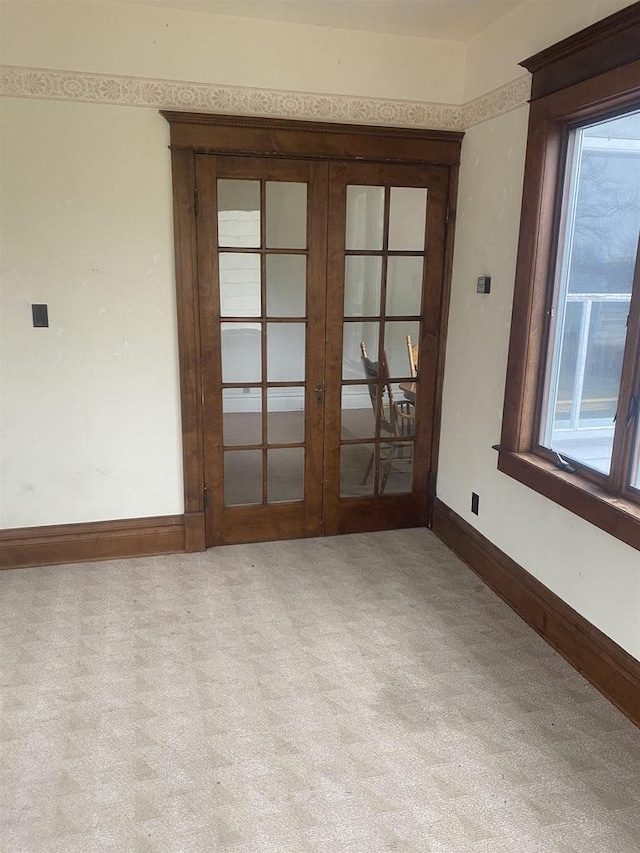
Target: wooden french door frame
(193, 133)
(227, 524)
(348, 515)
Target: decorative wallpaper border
(21, 82)
(502, 100)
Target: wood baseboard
(614, 672)
(100, 540)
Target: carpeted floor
(361, 693)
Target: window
(595, 263)
(571, 420)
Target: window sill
(619, 517)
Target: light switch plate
(40, 314)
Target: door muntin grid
(263, 262)
(385, 258)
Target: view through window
(598, 244)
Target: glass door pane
(385, 228)
(239, 213)
(365, 217)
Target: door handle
(319, 393)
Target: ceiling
(457, 20)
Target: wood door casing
(193, 133)
(253, 522)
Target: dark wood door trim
(187, 305)
(258, 137)
(192, 133)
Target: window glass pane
(407, 218)
(397, 414)
(356, 335)
(285, 418)
(239, 213)
(286, 215)
(239, 284)
(564, 404)
(242, 416)
(365, 217)
(358, 402)
(404, 286)
(604, 241)
(598, 245)
(395, 468)
(356, 470)
(285, 352)
(242, 477)
(285, 474)
(362, 275)
(396, 345)
(603, 363)
(241, 352)
(286, 285)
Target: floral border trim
(21, 82)
(172, 94)
(502, 100)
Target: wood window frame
(591, 75)
(195, 133)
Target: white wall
(595, 573)
(492, 57)
(90, 417)
(149, 41)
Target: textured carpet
(362, 693)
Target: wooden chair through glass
(397, 417)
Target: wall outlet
(475, 503)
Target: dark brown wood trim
(531, 294)
(611, 670)
(187, 301)
(222, 134)
(605, 45)
(442, 337)
(178, 117)
(194, 532)
(99, 540)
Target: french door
(262, 276)
(316, 282)
(384, 293)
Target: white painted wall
(595, 573)
(492, 57)
(114, 38)
(90, 412)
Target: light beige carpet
(361, 693)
